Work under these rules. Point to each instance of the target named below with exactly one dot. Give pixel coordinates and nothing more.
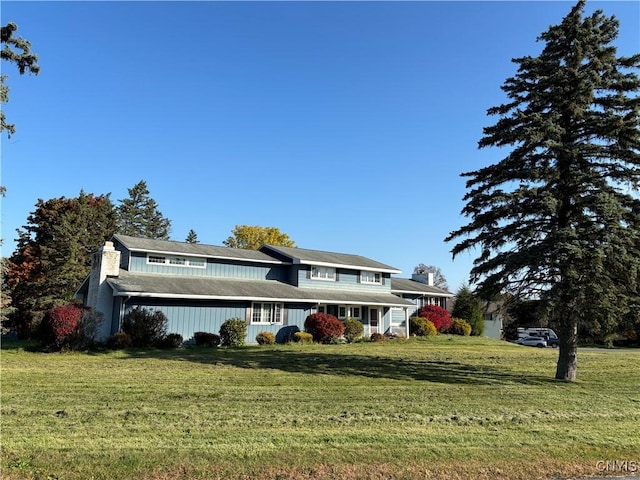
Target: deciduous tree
(53, 253)
(557, 218)
(439, 280)
(139, 215)
(252, 237)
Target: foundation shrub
(206, 339)
(460, 327)
(439, 316)
(171, 341)
(353, 329)
(147, 328)
(233, 333)
(119, 341)
(377, 337)
(303, 337)
(59, 326)
(422, 327)
(265, 338)
(323, 327)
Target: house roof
(406, 285)
(137, 244)
(328, 259)
(207, 288)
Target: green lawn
(448, 407)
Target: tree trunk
(567, 367)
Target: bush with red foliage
(439, 316)
(323, 327)
(60, 324)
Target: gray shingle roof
(165, 286)
(406, 285)
(317, 257)
(195, 249)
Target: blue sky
(344, 124)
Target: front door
(373, 320)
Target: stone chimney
(104, 263)
(426, 278)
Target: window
(177, 261)
(266, 313)
(345, 311)
(323, 273)
(370, 277)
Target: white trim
(327, 271)
(174, 253)
(369, 282)
(276, 306)
(423, 294)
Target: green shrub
(422, 327)
(206, 339)
(171, 341)
(265, 338)
(233, 333)
(119, 341)
(303, 337)
(377, 337)
(146, 327)
(460, 327)
(353, 329)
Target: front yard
(441, 407)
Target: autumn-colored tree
(439, 316)
(252, 237)
(53, 254)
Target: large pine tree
(139, 215)
(557, 218)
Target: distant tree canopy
(16, 51)
(53, 253)
(192, 237)
(439, 279)
(252, 237)
(139, 216)
(558, 218)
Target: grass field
(447, 407)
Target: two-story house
(273, 289)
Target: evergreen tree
(557, 218)
(252, 237)
(467, 307)
(16, 51)
(53, 254)
(192, 237)
(138, 215)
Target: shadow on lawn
(342, 364)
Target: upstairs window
(370, 277)
(176, 261)
(323, 273)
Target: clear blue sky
(344, 124)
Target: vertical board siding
(219, 268)
(347, 280)
(186, 319)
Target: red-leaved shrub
(439, 316)
(323, 327)
(60, 324)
